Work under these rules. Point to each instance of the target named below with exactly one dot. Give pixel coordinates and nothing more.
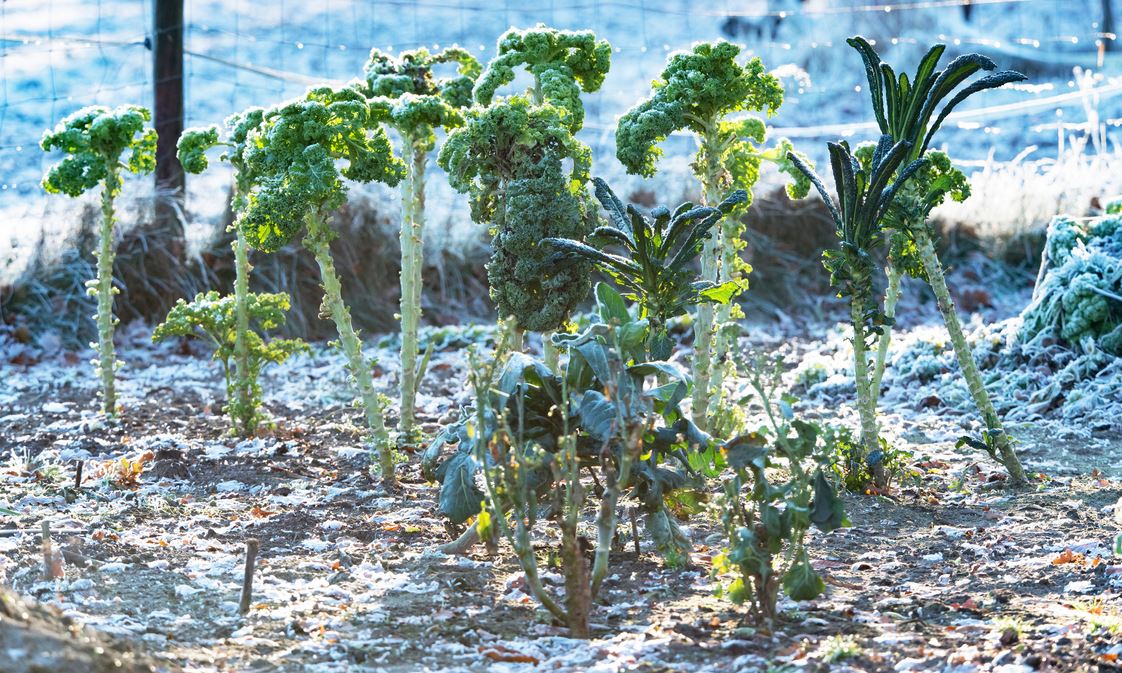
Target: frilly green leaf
(95, 138)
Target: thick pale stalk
(703, 325)
(245, 407)
(412, 257)
(891, 296)
(934, 269)
(107, 356)
(318, 242)
(866, 406)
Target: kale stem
(935, 277)
(866, 407)
(891, 296)
(106, 322)
(243, 406)
(412, 258)
(703, 327)
(318, 242)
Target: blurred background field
(1049, 146)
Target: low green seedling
(213, 319)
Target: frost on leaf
(1079, 298)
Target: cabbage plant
(96, 140)
(611, 405)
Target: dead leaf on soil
(506, 654)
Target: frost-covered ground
(947, 572)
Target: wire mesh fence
(59, 55)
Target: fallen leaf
(506, 654)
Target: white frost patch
(1079, 587)
(186, 590)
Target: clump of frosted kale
(509, 159)
(1079, 295)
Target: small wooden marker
(78, 475)
(634, 512)
(251, 547)
(50, 564)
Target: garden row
(615, 404)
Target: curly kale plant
(414, 102)
(294, 156)
(215, 319)
(765, 515)
(95, 139)
(243, 400)
(655, 267)
(509, 159)
(909, 111)
(865, 194)
(562, 63)
(704, 91)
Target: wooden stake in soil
(251, 546)
(52, 563)
(78, 475)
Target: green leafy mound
(694, 92)
(212, 318)
(406, 93)
(524, 281)
(95, 137)
(1079, 298)
(509, 160)
(294, 155)
(563, 64)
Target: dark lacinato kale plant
(771, 501)
(908, 110)
(243, 399)
(654, 265)
(299, 156)
(214, 318)
(511, 159)
(705, 91)
(865, 193)
(95, 140)
(415, 102)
